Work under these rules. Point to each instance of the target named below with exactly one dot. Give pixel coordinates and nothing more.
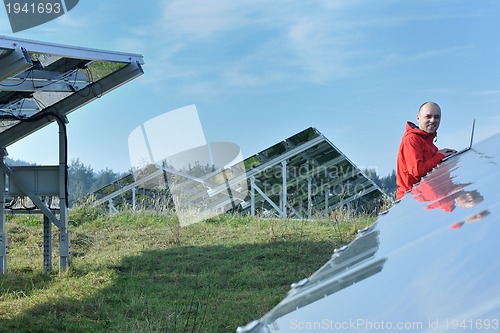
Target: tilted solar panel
(428, 264)
(306, 176)
(40, 79)
(41, 83)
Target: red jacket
(417, 156)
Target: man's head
(429, 117)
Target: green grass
(140, 272)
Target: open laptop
(467, 148)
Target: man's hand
(447, 151)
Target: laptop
(467, 148)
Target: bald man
(417, 153)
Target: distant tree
(103, 178)
(80, 180)
(10, 161)
(387, 183)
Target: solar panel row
(428, 264)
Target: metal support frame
(294, 211)
(252, 195)
(49, 215)
(283, 208)
(130, 187)
(72, 102)
(309, 197)
(282, 202)
(69, 51)
(269, 164)
(3, 235)
(111, 206)
(283, 190)
(326, 203)
(64, 239)
(47, 81)
(16, 62)
(253, 188)
(63, 86)
(47, 245)
(134, 192)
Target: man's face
(429, 118)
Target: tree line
(83, 180)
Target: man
(417, 153)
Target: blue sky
(261, 71)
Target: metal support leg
(283, 193)
(252, 195)
(309, 198)
(64, 240)
(47, 245)
(3, 253)
(3, 234)
(326, 203)
(133, 197)
(63, 250)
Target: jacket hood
(411, 128)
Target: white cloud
(265, 42)
(72, 20)
(488, 92)
(393, 59)
(274, 44)
(322, 47)
(204, 18)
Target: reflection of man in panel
(443, 193)
(417, 153)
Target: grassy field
(140, 272)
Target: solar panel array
(306, 176)
(428, 264)
(303, 176)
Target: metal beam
(128, 187)
(47, 245)
(3, 234)
(64, 240)
(15, 62)
(282, 213)
(26, 107)
(69, 51)
(41, 80)
(270, 164)
(36, 200)
(283, 189)
(71, 103)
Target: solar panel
(305, 173)
(38, 79)
(306, 176)
(427, 264)
(41, 83)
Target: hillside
(139, 272)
